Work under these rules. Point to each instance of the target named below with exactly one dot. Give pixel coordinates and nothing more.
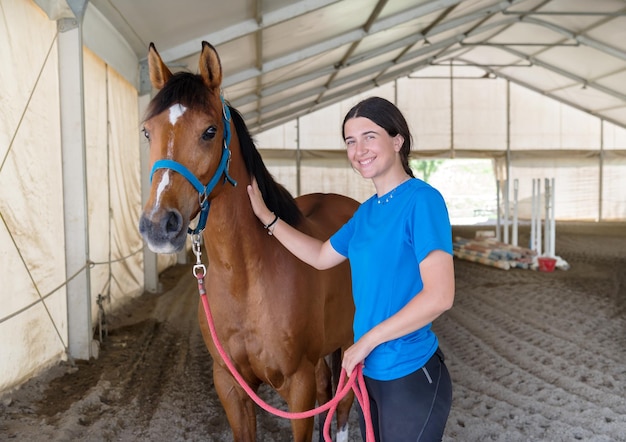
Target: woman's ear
(398, 141)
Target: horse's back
(326, 211)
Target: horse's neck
(232, 236)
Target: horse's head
(188, 127)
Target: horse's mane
(277, 198)
(190, 90)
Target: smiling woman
(399, 245)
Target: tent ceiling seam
(333, 43)
(239, 30)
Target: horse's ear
(159, 73)
(210, 66)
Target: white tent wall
(613, 188)
(33, 314)
(33, 296)
(114, 192)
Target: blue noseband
(203, 191)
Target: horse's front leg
(300, 393)
(345, 404)
(327, 380)
(323, 377)
(239, 408)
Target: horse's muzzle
(164, 231)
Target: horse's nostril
(144, 225)
(173, 222)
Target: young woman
(399, 244)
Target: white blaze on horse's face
(176, 111)
(165, 181)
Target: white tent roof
(284, 58)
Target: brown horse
(277, 318)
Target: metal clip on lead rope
(199, 269)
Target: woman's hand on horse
(258, 205)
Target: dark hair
(385, 114)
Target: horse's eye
(146, 133)
(209, 134)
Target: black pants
(412, 408)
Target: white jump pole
(547, 233)
(538, 218)
(552, 221)
(515, 219)
(535, 224)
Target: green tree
(425, 168)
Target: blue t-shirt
(385, 241)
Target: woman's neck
(384, 186)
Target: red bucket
(546, 264)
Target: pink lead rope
(356, 382)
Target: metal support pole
(533, 234)
(508, 163)
(71, 87)
(601, 174)
(298, 160)
(515, 214)
(498, 236)
(505, 238)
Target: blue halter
(203, 191)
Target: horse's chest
(260, 356)
(261, 336)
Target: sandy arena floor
(533, 357)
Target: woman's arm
(437, 296)
(314, 252)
